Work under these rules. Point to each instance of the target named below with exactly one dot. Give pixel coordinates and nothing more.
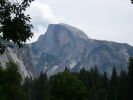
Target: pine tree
(28, 88)
(123, 86)
(41, 87)
(12, 83)
(113, 91)
(82, 76)
(130, 79)
(105, 81)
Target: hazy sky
(101, 19)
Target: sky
(110, 20)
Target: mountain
(22, 57)
(65, 46)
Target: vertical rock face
(66, 46)
(22, 57)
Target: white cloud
(101, 19)
(41, 15)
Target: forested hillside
(82, 85)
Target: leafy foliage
(64, 86)
(14, 24)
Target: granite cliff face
(22, 57)
(66, 46)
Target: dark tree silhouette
(82, 85)
(10, 83)
(14, 24)
(130, 79)
(113, 94)
(64, 86)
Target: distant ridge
(64, 45)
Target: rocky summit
(65, 46)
